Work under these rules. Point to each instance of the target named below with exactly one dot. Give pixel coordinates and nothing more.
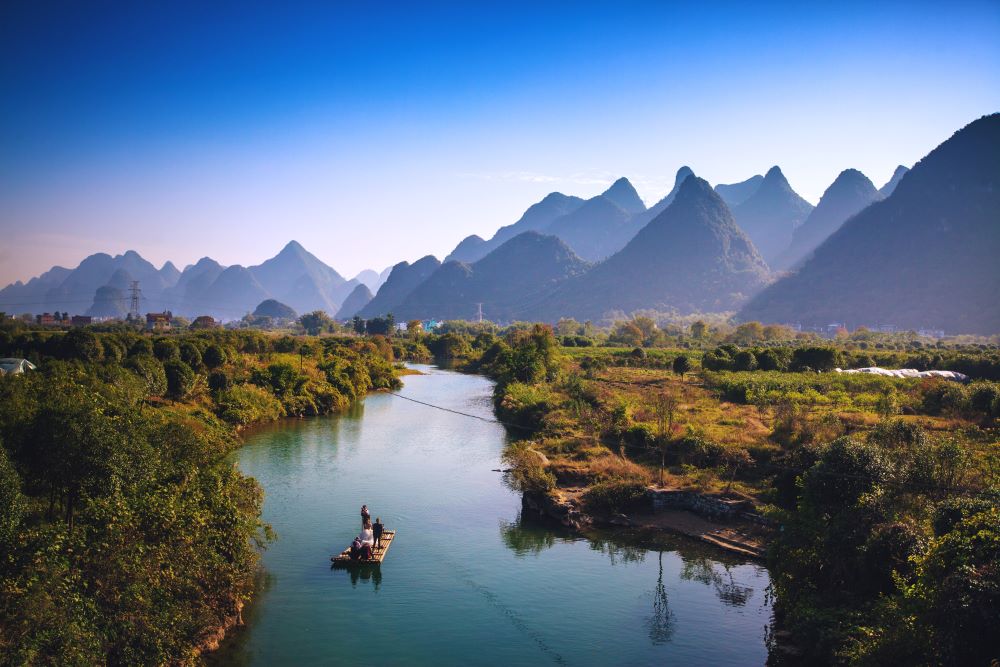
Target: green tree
(681, 365)
(316, 322)
(83, 345)
(214, 356)
(166, 349)
(180, 379)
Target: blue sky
(377, 132)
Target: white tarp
(15, 366)
(907, 373)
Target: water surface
(467, 580)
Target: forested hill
(925, 257)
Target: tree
(316, 322)
(699, 329)
(358, 325)
(665, 408)
(415, 328)
(681, 365)
(191, 355)
(214, 356)
(83, 345)
(166, 349)
(180, 379)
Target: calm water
(467, 581)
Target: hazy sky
(376, 132)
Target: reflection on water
(720, 577)
(366, 574)
(661, 623)
(468, 570)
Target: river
(467, 580)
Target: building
(159, 321)
(81, 320)
(204, 322)
(45, 319)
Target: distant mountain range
(919, 252)
(504, 282)
(691, 257)
(771, 213)
(850, 193)
(100, 286)
(926, 256)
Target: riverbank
(738, 535)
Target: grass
(764, 413)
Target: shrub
(246, 404)
(165, 349)
(180, 379)
(150, 372)
(945, 398)
(218, 381)
(528, 472)
(614, 496)
(214, 356)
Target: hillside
(360, 297)
(735, 194)
(890, 186)
(536, 218)
(924, 257)
(402, 280)
(771, 214)
(504, 282)
(849, 194)
(691, 257)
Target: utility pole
(134, 294)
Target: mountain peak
(775, 175)
(890, 186)
(623, 193)
(292, 246)
(682, 174)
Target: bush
(214, 356)
(524, 405)
(945, 398)
(150, 372)
(528, 471)
(984, 397)
(218, 381)
(180, 379)
(246, 404)
(165, 349)
(614, 496)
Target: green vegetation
(126, 536)
(887, 489)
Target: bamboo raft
(343, 559)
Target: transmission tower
(134, 294)
(479, 314)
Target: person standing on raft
(366, 516)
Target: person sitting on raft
(367, 538)
(356, 548)
(377, 530)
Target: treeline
(126, 537)
(972, 361)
